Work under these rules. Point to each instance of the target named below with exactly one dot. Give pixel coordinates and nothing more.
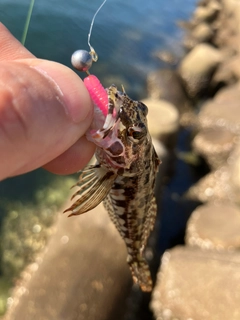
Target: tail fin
(140, 272)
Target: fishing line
(92, 51)
(82, 59)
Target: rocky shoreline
(200, 281)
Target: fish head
(123, 132)
(132, 116)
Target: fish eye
(137, 135)
(137, 132)
(120, 95)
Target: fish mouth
(107, 103)
(104, 120)
(104, 129)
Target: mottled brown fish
(123, 178)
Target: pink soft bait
(97, 93)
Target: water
(125, 33)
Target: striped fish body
(123, 178)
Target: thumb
(44, 110)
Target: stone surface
(189, 42)
(222, 184)
(234, 172)
(206, 13)
(228, 94)
(163, 120)
(234, 66)
(221, 114)
(197, 67)
(202, 32)
(214, 226)
(232, 9)
(223, 76)
(165, 84)
(197, 285)
(215, 145)
(227, 35)
(215, 186)
(82, 275)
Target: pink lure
(97, 93)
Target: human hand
(45, 110)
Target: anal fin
(149, 222)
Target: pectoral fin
(94, 185)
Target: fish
(123, 177)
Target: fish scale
(123, 178)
